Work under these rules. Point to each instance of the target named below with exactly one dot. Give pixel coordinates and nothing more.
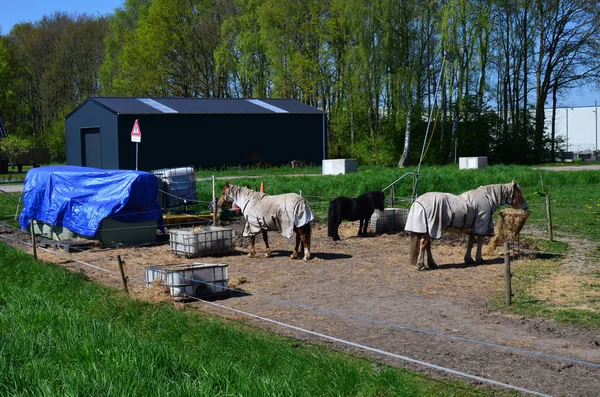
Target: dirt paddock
(364, 291)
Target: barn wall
(92, 115)
(214, 141)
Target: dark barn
(205, 133)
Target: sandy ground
(364, 291)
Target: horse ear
(513, 182)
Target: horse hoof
(423, 268)
(294, 256)
(250, 254)
(433, 266)
(336, 238)
(469, 261)
(267, 254)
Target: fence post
(123, 278)
(507, 274)
(18, 205)
(214, 202)
(549, 216)
(33, 239)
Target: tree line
(473, 76)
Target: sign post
(136, 136)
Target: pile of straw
(509, 225)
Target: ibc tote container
(177, 185)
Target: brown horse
(288, 213)
(470, 213)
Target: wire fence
(363, 347)
(102, 258)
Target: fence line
(363, 347)
(378, 351)
(340, 314)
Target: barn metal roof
(146, 105)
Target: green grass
(525, 304)
(8, 207)
(547, 246)
(62, 335)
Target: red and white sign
(136, 133)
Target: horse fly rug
(470, 212)
(281, 212)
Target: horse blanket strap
(281, 212)
(470, 212)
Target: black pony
(353, 209)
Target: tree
(568, 51)
(13, 146)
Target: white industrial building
(578, 126)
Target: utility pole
(596, 111)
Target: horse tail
(414, 247)
(332, 219)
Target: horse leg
(414, 249)
(295, 252)
(364, 223)
(430, 262)
(422, 249)
(478, 256)
(304, 233)
(266, 240)
(336, 234)
(360, 228)
(468, 258)
(252, 249)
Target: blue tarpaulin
(79, 198)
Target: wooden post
(33, 239)
(549, 216)
(507, 274)
(18, 205)
(542, 180)
(123, 278)
(215, 209)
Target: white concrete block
(472, 162)
(339, 166)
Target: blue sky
(15, 11)
(34, 10)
